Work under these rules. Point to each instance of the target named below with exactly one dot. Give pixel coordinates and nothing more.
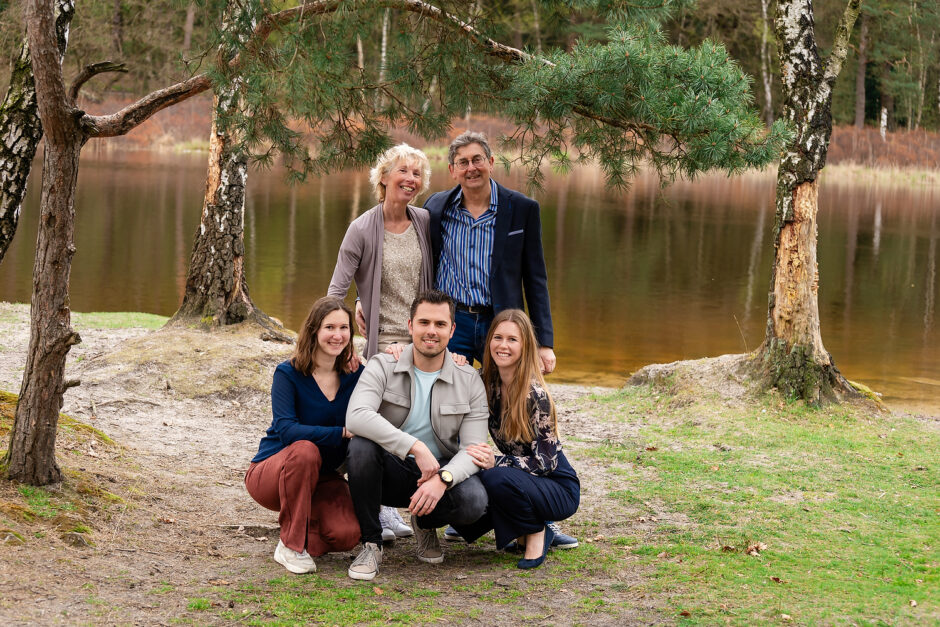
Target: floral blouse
(538, 457)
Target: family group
(438, 287)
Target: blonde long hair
(515, 422)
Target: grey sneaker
(392, 524)
(429, 547)
(366, 565)
(293, 561)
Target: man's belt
(475, 309)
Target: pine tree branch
(93, 70)
(131, 116)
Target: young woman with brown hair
(295, 470)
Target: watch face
(446, 477)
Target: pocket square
(511, 233)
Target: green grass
(41, 503)
(846, 503)
(117, 320)
(314, 599)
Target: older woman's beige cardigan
(360, 259)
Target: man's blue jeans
(470, 336)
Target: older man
(486, 241)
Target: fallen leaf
(913, 603)
(663, 554)
(220, 582)
(685, 613)
(777, 580)
(728, 549)
(754, 548)
(166, 520)
(651, 448)
(459, 577)
(786, 617)
(377, 590)
(713, 468)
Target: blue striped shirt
(466, 251)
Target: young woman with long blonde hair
(532, 481)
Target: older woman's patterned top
(540, 456)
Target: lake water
(638, 277)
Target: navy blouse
(302, 412)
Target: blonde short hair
(390, 158)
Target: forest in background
(891, 75)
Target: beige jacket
(360, 258)
(382, 399)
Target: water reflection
(646, 276)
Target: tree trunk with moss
(793, 356)
(21, 130)
(31, 457)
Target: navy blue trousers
(470, 335)
(521, 502)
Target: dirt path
(186, 410)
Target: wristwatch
(446, 477)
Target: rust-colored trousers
(316, 511)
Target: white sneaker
(293, 561)
(393, 522)
(366, 565)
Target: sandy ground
(186, 410)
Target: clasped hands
(430, 487)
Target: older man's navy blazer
(517, 267)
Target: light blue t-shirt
(418, 422)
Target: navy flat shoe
(535, 563)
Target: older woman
(387, 251)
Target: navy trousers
(470, 335)
(521, 502)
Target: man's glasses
(463, 164)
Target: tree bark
(216, 289)
(21, 130)
(860, 72)
(31, 457)
(794, 358)
(766, 76)
(188, 26)
(117, 28)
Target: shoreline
(576, 383)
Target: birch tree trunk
(765, 64)
(21, 130)
(216, 288)
(794, 357)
